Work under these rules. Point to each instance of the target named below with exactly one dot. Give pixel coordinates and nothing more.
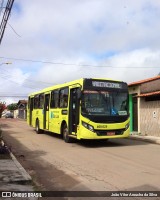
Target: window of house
(153, 98)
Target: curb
(26, 178)
(145, 139)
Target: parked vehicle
(9, 115)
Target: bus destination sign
(103, 84)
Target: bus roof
(78, 81)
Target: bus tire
(65, 133)
(38, 130)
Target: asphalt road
(114, 165)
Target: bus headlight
(126, 126)
(88, 126)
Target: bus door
(46, 112)
(74, 109)
(30, 110)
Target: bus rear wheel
(65, 133)
(38, 130)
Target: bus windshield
(104, 103)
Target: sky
(54, 41)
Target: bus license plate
(111, 133)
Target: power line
(29, 83)
(52, 63)
(14, 30)
(40, 82)
(24, 85)
(13, 95)
(75, 64)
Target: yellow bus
(81, 109)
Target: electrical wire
(14, 30)
(27, 82)
(24, 85)
(75, 64)
(13, 95)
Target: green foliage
(12, 106)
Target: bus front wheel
(66, 137)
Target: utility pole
(5, 18)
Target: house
(22, 109)
(144, 103)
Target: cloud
(72, 29)
(127, 66)
(107, 39)
(136, 65)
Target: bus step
(45, 130)
(73, 136)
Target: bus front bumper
(103, 134)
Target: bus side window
(41, 100)
(64, 98)
(36, 101)
(54, 99)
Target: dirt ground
(107, 166)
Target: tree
(2, 107)
(12, 107)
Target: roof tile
(149, 94)
(144, 81)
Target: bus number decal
(64, 112)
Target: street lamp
(6, 63)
